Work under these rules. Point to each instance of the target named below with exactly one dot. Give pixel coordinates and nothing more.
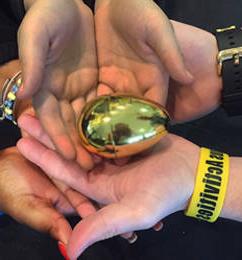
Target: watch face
(121, 125)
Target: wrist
(211, 185)
(192, 160)
(232, 208)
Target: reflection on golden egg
(121, 125)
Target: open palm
(136, 195)
(136, 46)
(58, 58)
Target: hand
(33, 178)
(28, 196)
(136, 45)
(136, 195)
(58, 60)
(199, 48)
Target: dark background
(182, 237)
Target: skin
(135, 196)
(59, 69)
(139, 59)
(171, 154)
(30, 197)
(27, 194)
(145, 58)
(199, 48)
(124, 61)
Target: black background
(182, 237)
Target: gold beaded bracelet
(8, 98)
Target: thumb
(110, 221)
(163, 42)
(33, 45)
(44, 218)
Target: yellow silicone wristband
(210, 187)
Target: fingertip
(84, 158)
(67, 152)
(23, 93)
(189, 77)
(62, 249)
(23, 120)
(60, 229)
(31, 83)
(65, 147)
(104, 89)
(158, 226)
(181, 75)
(133, 238)
(19, 144)
(22, 145)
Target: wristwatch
(229, 41)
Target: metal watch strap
(230, 47)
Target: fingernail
(158, 226)
(62, 249)
(189, 76)
(133, 238)
(20, 90)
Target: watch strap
(230, 39)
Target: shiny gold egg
(121, 125)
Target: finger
(159, 92)
(104, 89)
(131, 237)
(80, 203)
(49, 114)
(83, 157)
(158, 226)
(91, 95)
(32, 126)
(33, 46)
(110, 221)
(164, 43)
(42, 217)
(77, 106)
(53, 165)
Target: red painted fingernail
(21, 88)
(62, 249)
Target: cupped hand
(137, 195)
(199, 48)
(136, 47)
(58, 60)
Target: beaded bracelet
(8, 98)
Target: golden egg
(121, 125)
